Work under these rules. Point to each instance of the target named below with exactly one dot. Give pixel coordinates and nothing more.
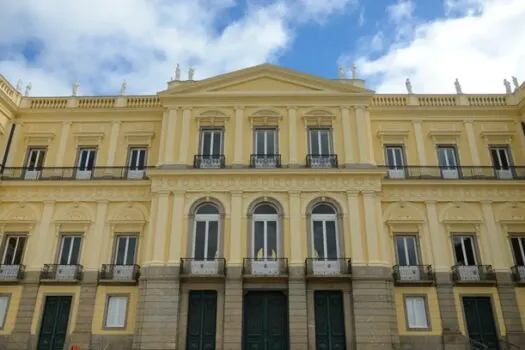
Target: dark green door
(53, 330)
(329, 321)
(265, 321)
(202, 315)
(480, 321)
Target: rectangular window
(69, 250)
(125, 249)
(265, 141)
(13, 250)
(464, 250)
(86, 159)
(518, 250)
(395, 161)
(502, 162)
(35, 159)
(211, 142)
(416, 310)
(320, 141)
(116, 311)
(4, 305)
(137, 158)
(448, 162)
(406, 248)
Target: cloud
(481, 44)
(52, 43)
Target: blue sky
(52, 43)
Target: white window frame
(213, 133)
(395, 171)
(502, 172)
(449, 170)
(266, 131)
(134, 170)
(34, 172)
(85, 173)
(520, 240)
(404, 238)
(265, 218)
(73, 237)
(4, 309)
(126, 238)
(319, 143)
(416, 312)
(112, 320)
(207, 218)
(17, 237)
(464, 251)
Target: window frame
(508, 153)
(329, 130)
(203, 130)
(118, 236)
(416, 247)
(275, 140)
(131, 148)
(60, 244)
(7, 306)
(521, 241)
(207, 218)
(28, 156)
(427, 312)
(4, 246)
(477, 257)
(455, 152)
(324, 218)
(106, 311)
(265, 218)
(79, 152)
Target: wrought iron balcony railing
(415, 274)
(209, 161)
(119, 273)
(328, 267)
(473, 274)
(11, 273)
(265, 161)
(203, 267)
(62, 273)
(74, 173)
(518, 273)
(321, 161)
(265, 267)
(454, 173)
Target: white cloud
(481, 47)
(101, 42)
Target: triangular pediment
(264, 78)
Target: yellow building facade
(262, 209)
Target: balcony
(11, 273)
(61, 273)
(473, 274)
(265, 161)
(119, 273)
(208, 161)
(321, 161)
(265, 268)
(323, 267)
(200, 268)
(518, 274)
(413, 275)
(454, 173)
(74, 173)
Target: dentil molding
(38, 194)
(451, 194)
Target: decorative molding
(497, 136)
(393, 135)
(71, 194)
(37, 138)
(88, 138)
(265, 117)
(139, 137)
(318, 117)
(467, 193)
(212, 118)
(444, 136)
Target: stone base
(416, 342)
(516, 338)
(111, 342)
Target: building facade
(262, 209)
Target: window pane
(206, 143)
(451, 157)
(469, 249)
(331, 240)
(271, 239)
(91, 159)
(217, 143)
(323, 209)
(416, 312)
(412, 252)
(19, 250)
(3, 309)
(270, 141)
(66, 247)
(121, 251)
(516, 250)
(133, 159)
(207, 209)
(503, 155)
(319, 249)
(116, 313)
(258, 240)
(10, 250)
(325, 142)
(260, 142)
(314, 142)
(142, 159)
(390, 161)
(442, 157)
(265, 209)
(458, 249)
(401, 255)
(200, 236)
(213, 240)
(75, 251)
(132, 245)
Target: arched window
(265, 233)
(206, 233)
(325, 240)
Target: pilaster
(239, 137)
(163, 132)
(35, 256)
(184, 138)
(347, 140)
(113, 142)
(438, 238)
(297, 309)
(296, 235)
(177, 215)
(169, 143)
(97, 236)
(292, 136)
(362, 116)
(373, 239)
(235, 258)
(494, 238)
(421, 149)
(161, 228)
(521, 137)
(62, 143)
(471, 138)
(357, 247)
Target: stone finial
(28, 89)
(191, 73)
(516, 83)
(341, 72)
(123, 88)
(408, 85)
(508, 89)
(19, 85)
(353, 69)
(457, 85)
(75, 87)
(177, 72)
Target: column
(471, 137)
(421, 149)
(96, 236)
(235, 258)
(169, 142)
(113, 142)
(161, 228)
(521, 136)
(163, 130)
(62, 143)
(441, 248)
(239, 137)
(374, 256)
(296, 235)
(292, 136)
(177, 216)
(36, 252)
(184, 138)
(356, 236)
(493, 235)
(347, 136)
(364, 135)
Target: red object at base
(75, 347)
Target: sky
(100, 43)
